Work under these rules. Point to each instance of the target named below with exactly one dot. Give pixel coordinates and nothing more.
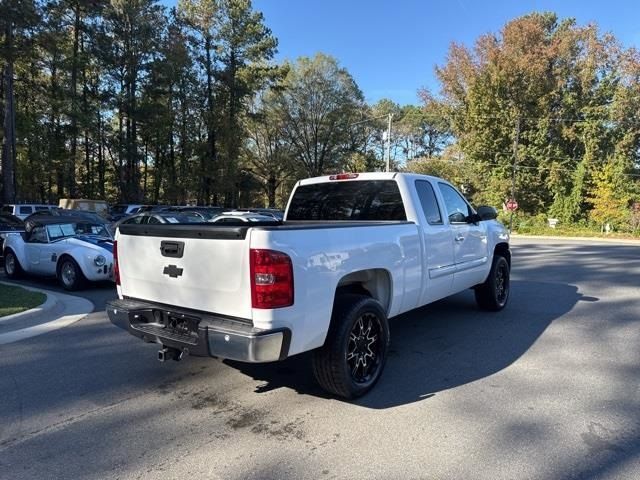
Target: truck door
(469, 240)
(438, 260)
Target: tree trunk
(271, 191)
(208, 164)
(9, 144)
(71, 165)
(88, 161)
(146, 171)
(101, 166)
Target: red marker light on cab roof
(344, 176)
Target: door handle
(459, 238)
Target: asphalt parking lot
(549, 388)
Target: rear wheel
(12, 266)
(355, 351)
(70, 275)
(493, 294)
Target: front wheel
(493, 294)
(352, 359)
(70, 275)
(12, 266)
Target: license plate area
(172, 325)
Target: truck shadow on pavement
(442, 346)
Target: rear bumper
(201, 334)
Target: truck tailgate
(197, 267)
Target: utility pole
(516, 142)
(388, 152)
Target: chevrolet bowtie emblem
(172, 271)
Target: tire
(12, 266)
(353, 356)
(70, 275)
(493, 294)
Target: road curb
(73, 309)
(45, 307)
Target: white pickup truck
(353, 251)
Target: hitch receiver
(168, 353)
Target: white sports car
(70, 248)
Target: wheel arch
(503, 249)
(6, 250)
(65, 255)
(17, 247)
(374, 283)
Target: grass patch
(16, 300)
(571, 231)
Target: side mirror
(457, 217)
(486, 212)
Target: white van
(98, 206)
(23, 210)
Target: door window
(153, 221)
(457, 207)
(134, 220)
(26, 210)
(429, 202)
(38, 235)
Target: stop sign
(512, 204)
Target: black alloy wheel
(365, 352)
(493, 294)
(354, 353)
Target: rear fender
(15, 243)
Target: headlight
(99, 261)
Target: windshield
(62, 230)
(182, 218)
(118, 209)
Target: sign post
(512, 206)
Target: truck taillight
(116, 268)
(271, 279)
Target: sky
(392, 47)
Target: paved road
(547, 389)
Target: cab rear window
(348, 200)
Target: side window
(134, 220)
(457, 207)
(429, 202)
(153, 221)
(38, 235)
(26, 210)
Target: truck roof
(364, 176)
